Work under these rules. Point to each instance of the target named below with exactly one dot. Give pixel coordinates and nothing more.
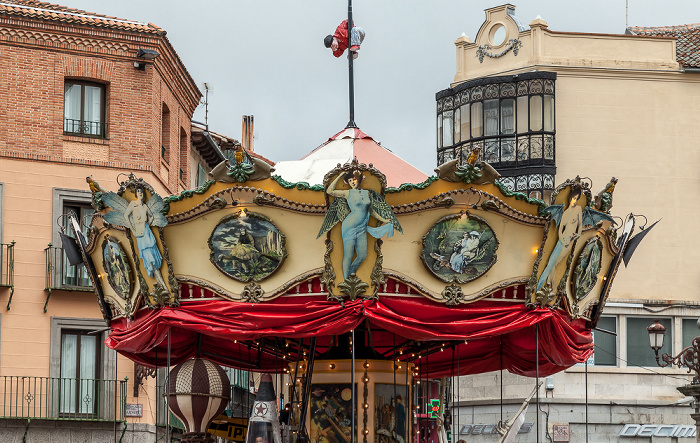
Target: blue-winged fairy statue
(353, 208)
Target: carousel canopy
(455, 275)
(343, 147)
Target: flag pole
(351, 122)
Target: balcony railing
(62, 398)
(84, 128)
(7, 268)
(61, 275)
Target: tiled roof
(687, 40)
(58, 13)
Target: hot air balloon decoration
(199, 392)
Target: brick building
(83, 95)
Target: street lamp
(687, 357)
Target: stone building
(83, 95)
(544, 106)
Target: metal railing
(62, 398)
(7, 264)
(61, 275)
(84, 128)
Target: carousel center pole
(352, 384)
(351, 122)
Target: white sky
(266, 58)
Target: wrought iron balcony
(62, 398)
(7, 268)
(84, 128)
(62, 276)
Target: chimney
(247, 133)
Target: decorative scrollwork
(328, 277)
(264, 199)
(377, 277)
(353, 287)
(513, 44)
(453, 294)
(252, 293)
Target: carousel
(362, 290)
(352, 283)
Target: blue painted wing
(337, 211)
(382, 208)
(118, 206)
(592, 216)
(156, 206)
(556, 212)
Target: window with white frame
(84, 109)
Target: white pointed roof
(342, 148)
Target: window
(80, 364)
(63, 274)
(165, 134)
(465, 122)
(605, 351)
(84, 109)
(184, 155)
(201, 175)
(447, 128)
(638, 351)
(689, 330)
(511, 119)
(80, 357)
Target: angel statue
(353, 207)
(138, 216)
(570, 222)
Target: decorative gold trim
(468, 298)
(328, 277)
(269, 295)
(377, 276)
(452, 294)
(353, 287)
(252, 293)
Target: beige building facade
(545, 106)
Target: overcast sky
(266, 58)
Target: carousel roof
(342, 148)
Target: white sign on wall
(560, 433)
(134, 410)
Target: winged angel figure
(138, 216)
(570, 222)
(353, 207)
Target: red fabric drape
(489, 327)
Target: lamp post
(687, 357)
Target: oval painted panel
(247, 247)
(116, 266)
(459, 248)
(587, 268)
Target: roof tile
(687, 40)
(53, 12)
